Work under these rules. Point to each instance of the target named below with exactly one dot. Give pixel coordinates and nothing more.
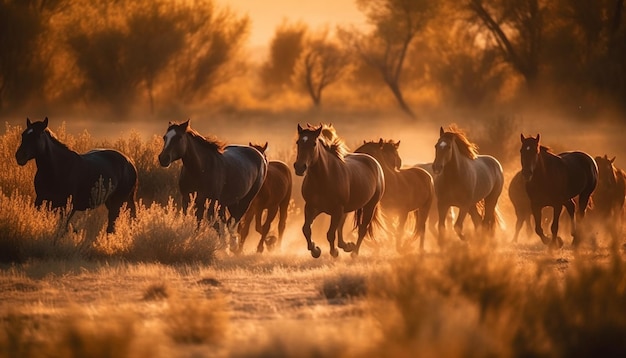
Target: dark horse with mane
(555, 180)
(337, 183)
(227, 176)
(408, 190)
(608, 198)
(274, 197)
(101, 176)
(464, 179)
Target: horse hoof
(354, 254)
(559, 242)
(259, 249)
(270, 241)
(334, 252)
(349, 247)
(316, 252)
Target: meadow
(160, 287)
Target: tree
(285, 48)
(517, 29)
(396, 23)
(323, 63)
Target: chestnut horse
(274, 197)
(408, 190)
(336, 183)
(555, 180)
(608, 198)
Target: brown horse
(521, 204)
(608, 198)
(463, 179)
(408, 190)
(336, 183)
(274, 197)
(555, 180)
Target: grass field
(160, 288)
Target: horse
(274, 196)
(555, 180)
(608, 198)
(228, 175)
(463, 178)
(521, 204)
(336, 183)
(408, 190)
(100, 176)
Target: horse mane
(331, 141)
(545, 149)
(207, 142)
(56, 140)
(466, 147)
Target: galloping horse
(555, 180)
(230, 176)
(408, 190)
(101, 176)
(274, 197)
(608, 198)
(521, 204)
(337, 183)
(462, 179)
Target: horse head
(529, 154)
(443, 151)
(174, 143)
(33, 142)
(306, 148)
(606, 172)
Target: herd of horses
(241, 186)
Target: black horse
(226, 176)
(101, 176)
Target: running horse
(336, 183)
(408, 190)
(463, 178)
(555, 180)
(100, 176)
(228, 176)
(608, 198)
(274, 197)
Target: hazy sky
(266, 15)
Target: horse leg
(310, 213)
(367, 214)
(458, 225)
(519, 222)
(556, 242)
(335, 221)
(441, 222)
(345, 246)
(282, 222)
(244, 226)
(536, 211)
(265, 229)
(420, 225)
(402, 217)
(570, 207)
(114, 212)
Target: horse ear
(45, 122)
(185, 124)
(318, 131)
(28, 122)
(612, 160)
(299, 128)
(441, 131)
(364, 141)
(397, 145)
(380, 142)
(250, 144)
(521, 137)
(265, 147)
(538, 136)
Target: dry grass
(160, 286)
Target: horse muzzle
(299, 168)
(165, 160)
(21, 158)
